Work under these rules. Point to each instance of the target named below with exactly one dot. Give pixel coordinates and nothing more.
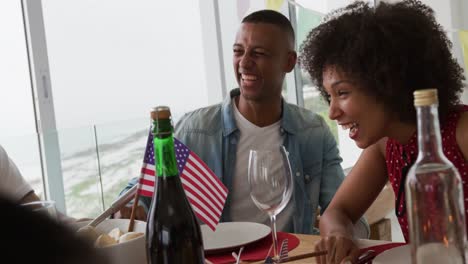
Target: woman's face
(362, 114)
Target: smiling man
(255, 116)
(263, 54)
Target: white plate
(402, 255)
(230, 235)
(396, 255)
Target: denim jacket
(211, 132)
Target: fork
(268, 259)
(366, 257)
(237, 256)
(283, 253)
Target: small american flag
(205, 192)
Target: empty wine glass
(271, 184)
(43, 207)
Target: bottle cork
(425, 97)
(160, 112)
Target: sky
(109, 61)
(16, 109)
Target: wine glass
(43, 207)
(271, 184)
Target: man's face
(262, 55)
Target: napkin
(255, 251)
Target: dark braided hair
(390, 50)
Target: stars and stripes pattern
(148, 170)
(205, 192)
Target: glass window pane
(121, 147)
(110, 62)
(17, 122)
(309, 15)
(80, 172)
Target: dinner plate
(230, 235)
(397, 255)
(402, 255)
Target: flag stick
(131, 224)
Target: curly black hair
(390, 50)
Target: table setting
(391, 253)
(248, 242)
(255, 250)
(270, 169)
(243, 242)
(300, 249)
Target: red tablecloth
(255, 251)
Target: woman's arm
(355, 195)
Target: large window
(110, 62)
(308, 15)
(17, 125)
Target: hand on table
(125, 212)
(341, 250)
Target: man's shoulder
(305, 118)
(205, 118)
(205, 112)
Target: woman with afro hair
(367, 62)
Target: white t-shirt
(251, 136)
(12, 184)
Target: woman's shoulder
(382, 146)
(462, 123)
(462, 132)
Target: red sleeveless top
(395, 161)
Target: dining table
(307, 243)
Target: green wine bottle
(173, 232)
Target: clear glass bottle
(172, 233)
(434, 194)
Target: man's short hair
(271, 17)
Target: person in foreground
(12, 183)
(14, 187)
(255, 116)
(367, 62)
(30, 237)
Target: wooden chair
(376, 215)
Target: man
(12, 184)
(255, 116)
